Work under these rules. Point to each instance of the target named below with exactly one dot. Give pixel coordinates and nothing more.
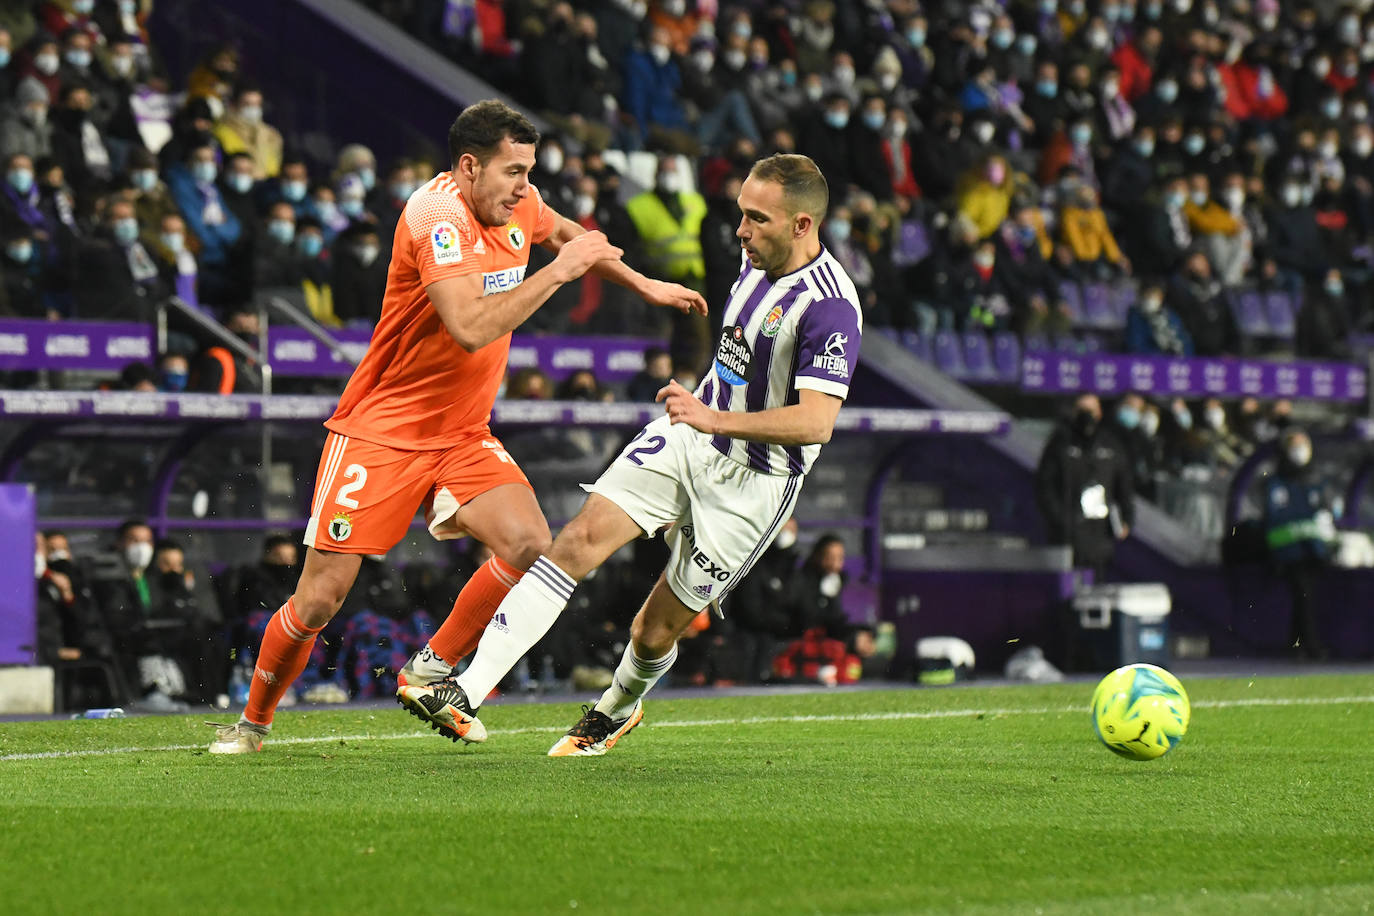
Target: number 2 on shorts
(356, 475)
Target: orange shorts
(366, 494)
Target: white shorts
(717, 515)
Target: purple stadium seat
(949, 354)
(1006, 356)
(1072, 297)
(1092, 343)
(978, 357)
(918, 345)
(1066, 343)
(1279, 310)
(1248, 307)
(1036, 343)
(1098, 311)
(913, 244)
(1124, 294)
(891, 334)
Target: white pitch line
(706, 723)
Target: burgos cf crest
(516, 236)
(340, 527)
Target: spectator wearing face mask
(1043, 104)
(1083, 228)
(21, 288)
(25, 129)
(388, 200)
(1300, 532)
(825, 138)
(1070, 148)
(20, 203)
(60, 17)
(652, 82)
(1162, 231)
(1116, 119)
(866, 153)
(171, 248)
(1358, 160)
(77, 143)
(359, 274)
(1136, 61)
(209, 218)
(242, 130)
(278, 264)
(842, 241)
(117, 279)
(985, 194)
(1197, 296)
(43, 61)
(152, 199)
(1324, 322)
(1083, 487)
(1129, 173)
(1294, 237)
(173, 373)
(291, 185)
(1153, 328)
(1126, 425)
(238, 190)
(315, 271)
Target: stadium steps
(1023, 444)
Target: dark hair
(813, 559)
(275, 541)
(803, 186)
(129, 524)
(168, 544)
(480, 129)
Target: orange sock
(285, 650)
(471, 613)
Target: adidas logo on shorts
(703, 591)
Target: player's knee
(317, 602)
(652, 638)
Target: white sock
(634, 677)
(523, 618)
(429, 666)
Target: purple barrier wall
(100, 346)
(1105, 373)
(18, 596)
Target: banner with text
(1110, 374)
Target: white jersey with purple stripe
(800, 331)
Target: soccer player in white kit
(718, 474)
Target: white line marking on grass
(706, 723)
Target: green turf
(962, 800)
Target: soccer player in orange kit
(411, 427)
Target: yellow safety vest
(673, 247)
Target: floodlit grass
(961, 800)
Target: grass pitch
(959, 800)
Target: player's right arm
(474, 320)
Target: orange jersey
(415, 387)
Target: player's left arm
(654, 292)
(808, 422)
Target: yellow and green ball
(1140, 711)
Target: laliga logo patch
(773, 322)
(444, 239)
(340, 527)
(516, 236)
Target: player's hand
(580, 253)
(674, 296)
(683, 407)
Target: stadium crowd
(167, 632)
(984, 158)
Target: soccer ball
(1140, 711)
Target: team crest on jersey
(772, 322)
(444, 239)
(516, 236)
(734, 359)
(340, 527)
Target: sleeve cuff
(825, 386)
